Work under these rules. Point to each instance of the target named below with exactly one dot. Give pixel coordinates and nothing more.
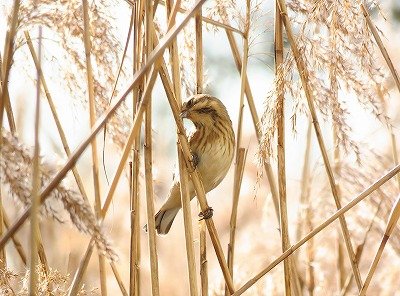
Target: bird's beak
(184, 113)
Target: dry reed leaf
(16, 165)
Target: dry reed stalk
(125, 154)
(382, 48)
(305, 214)
(392, 221)
(17, 243)
(118, 278)
(156, 53)
(10, 114)
(310, 100)
(80, 272)
(3, 262)
(34, 214)
(360, 249)
(284, 224)
(256, 121)
(376, 185)
(241, 155)
(92, 118)
(199, 90)
(239, 163)
(8, 54)
(183, 174)
(195, 176)
(134, 248)
(340, 247)
(207, 20)
(54, 113)
(148, 162)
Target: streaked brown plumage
(212, 145)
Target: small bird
(212, 146)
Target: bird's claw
(195, 161)
(207, 214)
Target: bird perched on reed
(212, 146)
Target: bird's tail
(164, 220)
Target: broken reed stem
(8, 55)
(92, 117)
(284, 223)
(391, 224)
(199, 90)
(310, 100)
(239, 169)
(256, 121)
(198, 186)
(34, 229)
(377, 184)
(17, 243)
(382, 48)
(54, 113)
(148, 163)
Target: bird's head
(204, 109)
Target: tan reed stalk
(284, 223)
(199, 90)
(183, 141)
(138, 58)
(118, 278)
(256, 121)
(54, 113)
(148, 162)
(187, 220)
(34, 229)
(8, 107)
(378, 183)
(206, 20)
(391, 224)
(340, 247)
(80, 272)
(305, 216)
(304, 79)
(156, 53)
(8, 54)
(360, 248)
(3, 263)
(92, 115)
(239, 169)
(75, 286)
(17, 243)
(336, 153)
(382, 48)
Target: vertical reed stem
(284, 223)
(199, 90)
(92, 115)
(34, 230)
(148, 162)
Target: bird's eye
(190, 103)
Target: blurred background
(258, 236)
